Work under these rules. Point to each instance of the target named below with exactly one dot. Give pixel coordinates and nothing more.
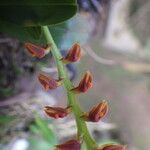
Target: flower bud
(84, 84)
(48, 82)
(57, 112)
(112, 147)
(69, 145)
(73, 55)
(97, 112)
(37, 51)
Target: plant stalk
(82, 130)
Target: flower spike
(73, 55)
(48, 82)
(84, 84)
(112, 147)
(69, 145)
(97, 112)
(37, 51)
(57, 112)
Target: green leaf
(32, 34)
(6, 92)
(36, 12)
(39, 144)
(34, 129)
(58, 31)
(22, 18)
(44, 130)
(6, 119)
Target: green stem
(72, 101)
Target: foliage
(22, 19)
(46, 136)
(6, 119)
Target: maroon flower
(112, 147)
(57, 112)
(97, 112)
(37, 51)
(48, 82)
(69, 145)
(84, 84)
(73, 55)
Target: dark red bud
(85, 84)
(69, 145)
(73, 55)
(112, 147)
(57, 112)
(48, 82)
(97, 112)
(36, 51)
